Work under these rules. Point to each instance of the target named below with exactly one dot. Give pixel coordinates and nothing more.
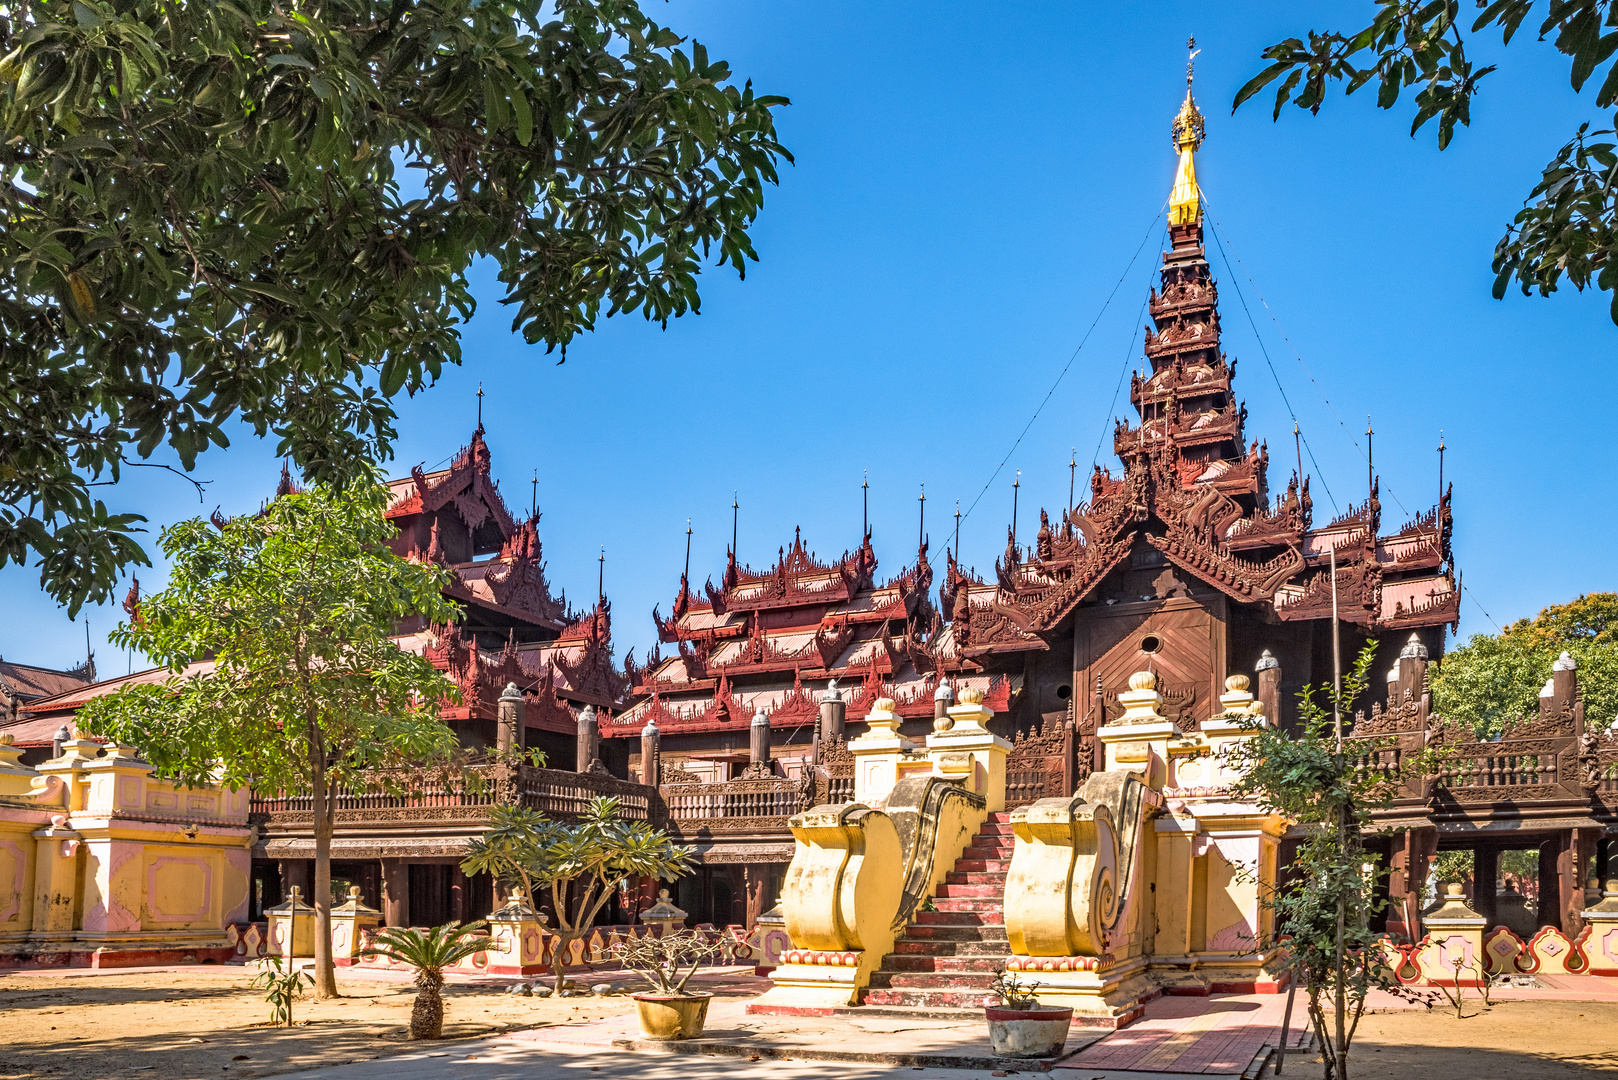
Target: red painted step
(946, 957)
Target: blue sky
(971, 184)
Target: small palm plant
(429, 952)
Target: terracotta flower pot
(674, 1016)
(1040, 1032)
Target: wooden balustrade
(1498, 769)
(766, 801)
(551, 791)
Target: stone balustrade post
(1601, 938)
(650, 752)
(517, 938)
(1138, 740)
(833, 712)
(509, 719)
(587, 741)
(758, 744)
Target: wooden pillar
(1409, 858)
(299, 872)
(395, 892)
(757, 881)
(1551, 870)
(1575, 864)
(833, 712)
(738, 896)
(1485, 875)
(457, 894)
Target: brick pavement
(1219, 1034)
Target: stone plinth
(663, 917)
(1138, 740)
(350, 922)
(879, 754)
(1601, 933)
(292, 926)
(517, 939)
(1454, 933)
(968, 753)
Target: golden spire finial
(1185, 201)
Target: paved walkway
(1221, 1035)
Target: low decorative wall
(102, 865)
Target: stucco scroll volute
(844, 876)
(1062, 887)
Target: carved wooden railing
(761, 805)
(1041, 762)
(470, 791)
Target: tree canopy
(1494, 678)
(276, 630)
(259, 211)
(1568, 224)
(580, 862)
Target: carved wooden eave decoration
(466, 484)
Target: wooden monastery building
(1184, 560)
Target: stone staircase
(946, 958)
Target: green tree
(265, 211)
(1495, 678)
(429, 952)
(581, 863)
(1569, 222)
(275, 630)
(1323, 912)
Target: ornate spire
(1185, 201)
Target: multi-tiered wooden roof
(513, 629)
(1193, 488)
(775, 638)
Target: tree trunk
(427, 1013)
(564, 942)
(324, 823)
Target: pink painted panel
(202, 899)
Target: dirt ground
(204, 1022)
(1514, 1040)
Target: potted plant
(1020, 1026)
(429, 952)
(668, 961)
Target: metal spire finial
(1440, 465)
(735, 516)
(687, 575)
(865, 505)
(957, 530)
(480, 407)
(534, 506)
(1370, 462)
(921, 528)
(1016, 486)
(601, 575)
